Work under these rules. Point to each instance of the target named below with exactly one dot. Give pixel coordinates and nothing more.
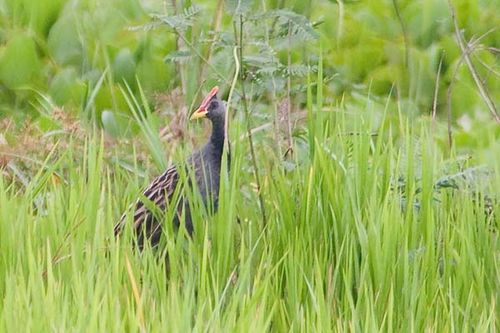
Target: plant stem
(178, 46)
(289, 150)
(247, 115)
(483, 91)
(215, 28)
(403, 29)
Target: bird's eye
(213, 105)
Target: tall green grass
(360, 237)
(373, 223)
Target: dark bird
(203, 166)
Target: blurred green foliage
(398, 224)
(61, 49)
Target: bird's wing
(157, 193)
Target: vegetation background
(365, 167)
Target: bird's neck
(218, 134)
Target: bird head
(211, 107)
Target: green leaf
(178, 56)
(19, 62)
(180, 21)
(110, 124)
(64, 41)
(299, 24)
(66, 87)
(124, 67)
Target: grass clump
(361, 235)
(346, 209)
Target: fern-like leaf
(180, 21)
(180, 56)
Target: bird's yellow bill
(202, 110)
(198, 114)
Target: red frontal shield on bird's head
(203, 109)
